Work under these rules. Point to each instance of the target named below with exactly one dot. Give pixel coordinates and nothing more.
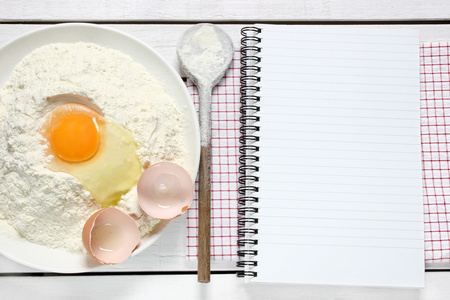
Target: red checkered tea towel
(435, 125)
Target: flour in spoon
(51, 208)
(209, 51)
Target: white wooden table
(162, 271)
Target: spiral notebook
(331, 182)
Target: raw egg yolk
(100, 153)
(75, 137)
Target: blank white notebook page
(340, 183)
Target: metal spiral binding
(248, 151)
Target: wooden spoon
(205, 53)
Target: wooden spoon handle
(204, 215)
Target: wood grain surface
(162, 271)
(178, 11)
(204, 215)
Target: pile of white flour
(51, 208)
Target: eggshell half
(165, 190)
(110, 236)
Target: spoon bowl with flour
(205, 53)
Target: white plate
(53, 260)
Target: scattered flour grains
(51, 208)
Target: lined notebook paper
(339, 178)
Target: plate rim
(192, 112)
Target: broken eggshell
(165, 190)
(110, 236)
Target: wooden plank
(224, 11)
(187, 287)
